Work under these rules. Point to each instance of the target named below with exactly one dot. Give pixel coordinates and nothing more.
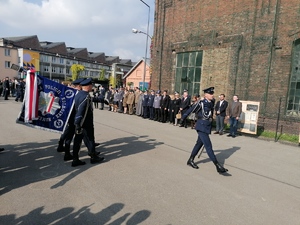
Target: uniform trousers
(203, 139)
(89, 140)
(151, 112)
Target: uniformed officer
(84, 124)
(66, 138)
(204, 111)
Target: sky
(98, 25)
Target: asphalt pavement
(144, 178)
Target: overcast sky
(98, 25)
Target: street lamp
(147, 34)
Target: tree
(76, 69)
(102, 75)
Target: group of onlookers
(12, 88)
(162, 107)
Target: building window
(188, 72)
(67, 71)
(61, 61)
(293, 108)
(53, 69)
(7, 64)
(46, 69)
(44, 58)
(61, 70)
(7, 52)
(53, 59)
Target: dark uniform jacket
(150, 100)
(185, 103)
(204, 112)
(165, 101)
(83, 106)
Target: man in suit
(204, 111)
(220, 109)
(184, 106)
(233, 113)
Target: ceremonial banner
(47, 104)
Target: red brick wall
(247, 45)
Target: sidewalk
(144, 179)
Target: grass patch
(280, 137)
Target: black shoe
(1, 149)
(97, 144)
(77, 162)
(60, 148)
(96, 159)
(217, 132)
(221, 133)
(229, 135)
(96, 153)
(181, 125)
(233, 136)
(220, 168)
(68, 157)
(191, 163)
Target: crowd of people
(12, 88)
(166, 108)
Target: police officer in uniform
(204, 111)
(66, 138)
(84, 124)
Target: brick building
(244, 47)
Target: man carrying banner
(84, 124)
(66, 138)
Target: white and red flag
(31, 98)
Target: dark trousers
(67, 137)
(6, 93)
(164, 115)
(89, 140)
(220, 123)
(157, 114)
(233, 125)
(203, 139)
(151, 112)
(145, 111)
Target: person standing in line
(84, 124)
(156, 106)
(6, 88)
(150, 105)
(184, 106)
(124, 101)
(121, 96)
(164, 105)
(234, 111)
(101, 96)
(145, 104)
(220, 109)
(130, 101)
(204, 110)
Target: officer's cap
(158, 92)
(209, 90)
(78, 81)
(176, 93)
(86, 82)
(185, 90)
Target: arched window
(293, 107)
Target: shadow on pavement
(82, 216)
(31, 162)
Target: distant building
(134, 77)
(52, 59)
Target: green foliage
(102, 75)
(280, 137)
(76, 69)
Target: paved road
(145, 179)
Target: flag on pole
(47, 104)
